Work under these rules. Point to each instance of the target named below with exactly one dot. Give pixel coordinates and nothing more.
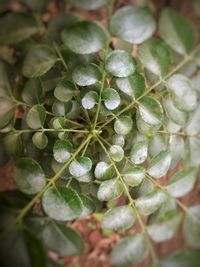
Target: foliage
(88, 119)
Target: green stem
(51, 130)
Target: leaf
(119, 218)
(111, 98)
(85, 37)
(192, 151)
(182, 182)
(64, 91)
(86, 74)
(17, 27)
(89, 4)
(40, 140)
(62, 203)
(151, 110)
(139, 152)
(133, 85)
(118, 140)
(150, 202)
(159, 165)
(191, 227)
(133, 176)
(123, 20)
(157, 143)
(13, 144)
(144, 127)
(183, 93)
(155, 56)
(192, 127)
(88, 206)
(7, 111)
(123, 125)
(80, 166)
(29, 176)
(62, 108)
(110, 189)
(116, 153)
(62, 239)
(104, 171)
(5, 86)
(120, 63)
(129, 250)
(89, 100)
(32, 92)
(38, 61)
(36, 5)
(177, 31)
(176, 149)
(36, 116)
(62, 150)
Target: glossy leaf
(62, 150)
(110, 189)
(36, 117)
(111, 98)
(40, 140)
(139, 152)
(123, 125)
(80, 166)
(104, 171)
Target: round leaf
(111, 98)
(89, 100)
(116, 153)
(109, 190)
(40, 140)
(80, 166)
(7, 111)
(123, 125)
(133, 176)
(139, 152)
(32, 92)
(36, 117)
(62, 150)
(64, 91)
(104, 171)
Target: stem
(142, 225)
(51, 130)
(51, 182)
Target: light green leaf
(119, 218)
(133, 86)
(150, 202)
(38, 61)
(89, 100)
(86, 74)
(157, 143)
(111, 98)
(80, 166)
(85, 37)
(123, 125)
(118, 140)
(120, 63)
(123, 20)
(182, 182)
(129, 250)
(183, 93)
(109, 190)
(7, 111)
(139, 152)
(191, 227)
(29, 176)
(159, 165)
(88, 4)
(36, 117)
(62, 239)
(155, 56)
(62, 150)
(151, 110)
(88, 206)
(192, 127)
(176, 149)
(177, 31)
(32, 92)
(116, 153)
(64, 91)
(144, 127)
(133, 176)
(61, 108)
(62, 203)
(192, 151)
(104, 171)
(40, 140)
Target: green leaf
(88, 4)
(29, 176)
(62, 203)
(182, 182)
(64, 91)
(139, 152)
(88, 206)
(155, 56)
(150, 202)
(110, 189)
(38, 61)
(36, 117)
(177, 149)
(129, 250)
(192, 151)
(13, 144)
(193, 128)
(5, 86)
(104, 171)
(85, 37)
(144, 127)
(7, 111)
(120, 63)
(32, 92)
(159, 165)
(118, 140)
(17, 27)
(86, 74)
(183, 93)
(80, 166)
(89, 100)
(177, 31)
(116, 153)
(119, 218)
(36, 5)
(123, 20)
(61, 108)
(62, 239)
(191, 227)
(62, 150)
(111, 98)
(40, 140)
(132, 86)
(123, 125)
(151, 110)
(157, 143)
(133, 176)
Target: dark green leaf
(13, 144)
(32, 92)
(7, 111)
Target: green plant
(88, 119)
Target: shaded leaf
(89, 4)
